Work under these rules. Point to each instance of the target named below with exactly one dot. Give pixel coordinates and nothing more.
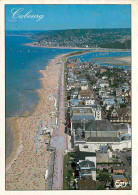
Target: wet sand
(25, 169)
(120, 61)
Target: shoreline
(18, 154)
(16, 142)
(93, 49)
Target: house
(120, 181)
(103, 93)
(94, 86)
(103, 70)
(89, 102)
(118, 169)
(86, 148)
(104, 77)
(120, 100)
(104, 155)
(87, 168)
(83, 155)
(74, 93)
(86, 164)
(121, 115)
(108, 101)
(125, 87)
(108, 166)
(85, 94)
(102, 83)
(70, 65)
(70, 74)
(80, 115)
(77, 83)
(76, 102)
(84, 85)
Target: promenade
(59, 137)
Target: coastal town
(84, 38)
(98, 124)
(68, 98)
(80, 135)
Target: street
(59, 137)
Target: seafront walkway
(59, 137)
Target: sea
(23, 77)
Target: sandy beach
(25, 168)
(83, 48)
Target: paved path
(59, 137)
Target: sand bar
(83, 48)
(120, 61)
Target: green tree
(104, 177)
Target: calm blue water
(90, 57)
(22, 77)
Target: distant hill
(104, 38)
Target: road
(59, 139)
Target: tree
(100, 187)
(104, 177)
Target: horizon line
(71, 29)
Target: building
(95, 142)
(81, 115)
(87, 168)
(104, 155)
(100, 128)
(85, 94)
(109, 102)
(89, 102)
(86, 164)
(118, 169)
(121, 115)
(84, 85)
(70, 65)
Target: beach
(25, 168)
(83, 48)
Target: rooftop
(119, 177)
(103, 139)
(84, 110)
(87, 163)
(82, 117)
(81, 155)
(94, 125)
(118, 167)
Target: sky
(57, 17)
